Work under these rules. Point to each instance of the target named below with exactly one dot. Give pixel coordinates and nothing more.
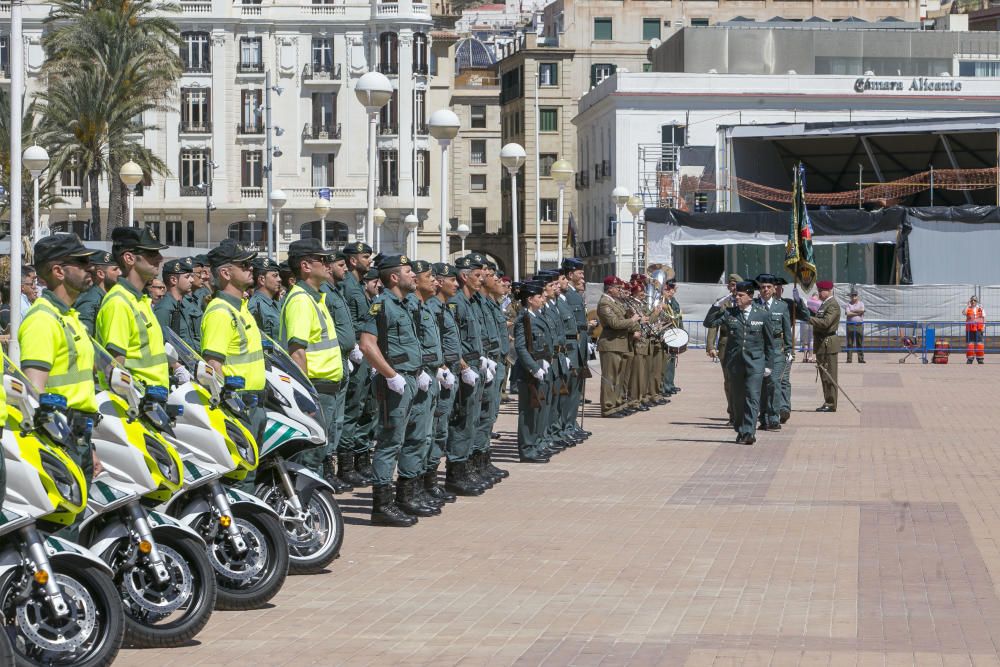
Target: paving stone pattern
(843, 539)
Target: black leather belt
(471, 357)
(451, 358)
(328, 386)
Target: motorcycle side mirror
(171, 353)
(209, 379)
(124, 386)
(17, 394)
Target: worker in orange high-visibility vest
(975, 332)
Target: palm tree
(109, 65)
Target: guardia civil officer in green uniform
(785, 405)
(493, 293)
(556, 371)
(170, 310)
(428, 388)
(490, 365)
(230, 338)
(451, 348)
(201, 292)
(565, 404)
(749, 344)
(310, 335)
(391, 345)
(56, 353)
(351, 358)
(263, 303)
(781, 329)
(358, 417)
(715, 340)
(126, 325)
(105, 272)
(531, 347)
(572, 268)
(461, 477)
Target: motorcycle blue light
(235, 382)
(157, 393)
(54, 401)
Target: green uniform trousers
(669, 372)
(744, 392)
(828, 362)
(614, 369)
(489, 410)
(332, 405)
(530, 439)
(785, 404)
(355, 437)
(464, 419)
(425, 429)
(442, 415)
(394, 428)
(770, 395)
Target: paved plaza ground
(843, 539)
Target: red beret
(610, 281)
(824, 284)
(505, 279)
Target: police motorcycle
(160, 565)
(246, 542)
(58, 603)
(314, 526)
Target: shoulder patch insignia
(376, 307)
(453, 307)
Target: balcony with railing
(250, 67)
(388, 68)
(325, 132)
(195, 127)
(476, 79)
(196, 7)
(477, 157)
(388, 9)
(245, 129)
(310, 194)
(388, 130)
(327, 9)
(422, 8)
(318, 74)
(203, 67)
(423, 191)
(388, 190)
(192, 191)
(421, 129)
(251, 193)
(74, 191)
(251, 10)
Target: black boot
(330, 475)
(363, 466)
(384, 510)
(485, 471)
(407, 500)
(435, 491)
(346, 471)
(495, 470)
(458, 482)
(472, 472)
(424, 496)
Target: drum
(676, 340)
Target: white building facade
(213, 137)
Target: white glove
(491, 366)
(356, 355)
(449, 379)
(483, 364)
(423, 381)
(539, 374)
(442, 375)
(397, 384)
(722, 302)
(372, 372)
(469, 377)
(181, 375)
(591, 349)
(767, 372)
(545, 366)
(350, 366)
(489, 376)
(568, 365)
(789, 357)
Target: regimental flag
(799, 258)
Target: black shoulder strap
(175, 317)
(382, 327)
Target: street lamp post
(35, 161)
(131, 175)
(562, 173)
(512, 156)
(270, 152)
(16, 93)
(321, 208)
(443, 126)
(373, 90)
(463, 231)
(378, 217)
(277, 198)
(411, 222)
(634, 206)
(620, 197)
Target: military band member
(749, 344)
(105, 273)
(170, 311)
(618, 332)
(781, 328)
(672, 312)
(263, 303)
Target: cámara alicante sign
(920, 84)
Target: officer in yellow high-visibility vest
(126, 325)
(56, 353)
(230, 337)
(310, 335)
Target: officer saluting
(749, 345)
(170, 310)
(56, 352)
(390, 343)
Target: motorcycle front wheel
(313, 539)
(171, 614)
(249, 580)
(90, 636)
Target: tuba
(654, 286)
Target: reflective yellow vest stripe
(73, 374)
(147, 358)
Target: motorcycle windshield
(186, 356)
(275, 355)
(104, 363)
